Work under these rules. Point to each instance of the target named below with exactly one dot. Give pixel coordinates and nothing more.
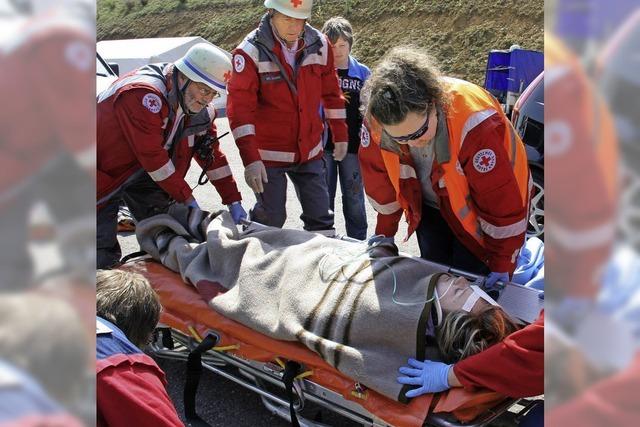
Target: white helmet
(300, 9)
(206, 64)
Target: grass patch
(459, 33)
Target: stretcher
(286, 375)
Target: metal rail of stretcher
(263, 377)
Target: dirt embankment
(459, 33)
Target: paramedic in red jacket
(130, 385)
(442, 151)
(151, 123)
(283, 73)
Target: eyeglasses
(417, 134)
(206, 91)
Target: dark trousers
(438, 243)
(311, 188)
(143, 197)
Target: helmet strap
(181, 91)
(277, 34)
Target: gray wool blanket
(336, 297)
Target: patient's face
(456, 296)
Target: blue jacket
(356, 71)
(111, 341)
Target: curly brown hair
(405, 80)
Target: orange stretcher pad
(184, 309)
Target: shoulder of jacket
(358, 69)
(249, 47)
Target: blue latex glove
(193, 204)
(494, 277)
(430, 376)
(380, 239)
(237, 212)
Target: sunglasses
(417, 134)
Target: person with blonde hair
(463, 334)
(442, 151)
(479, 346)
(130, 385)
(468, 320)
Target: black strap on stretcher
(291, 370)
(194, 371)
(132, 255)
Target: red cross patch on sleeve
(152, 102)
(484, 160)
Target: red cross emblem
(227, 76)
(296, 3)
(484, 160)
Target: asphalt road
(209, 199)
(220, 401)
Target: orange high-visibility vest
(470, 104)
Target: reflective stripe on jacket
(138, 128)
(273, 109)
(480, 175)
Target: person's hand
(432, 377)
(255, 174)
(237, 212)
(192, 203)
(495, 277)
(339, 151)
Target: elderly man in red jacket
(283, 73)
(151, 123)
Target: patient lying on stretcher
(467, 319)
(363, 310)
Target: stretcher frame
(262, 377)
(255, 376)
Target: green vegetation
(459, 33)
